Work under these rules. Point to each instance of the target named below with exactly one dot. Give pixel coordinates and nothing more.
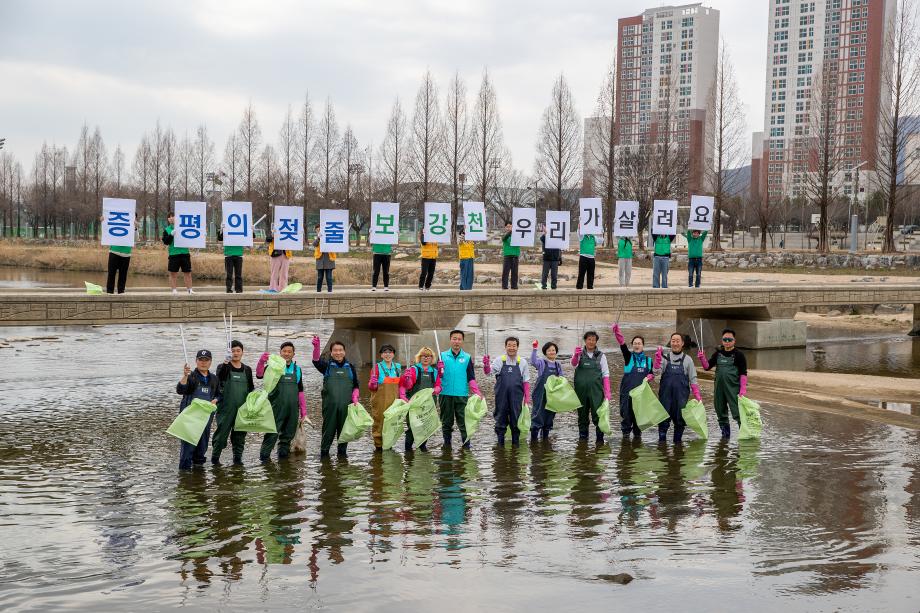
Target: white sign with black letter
(558, 224)
(700, 213)
(664, 217)
(523, 227)
(591, 216)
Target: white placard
(558, 226)
(626, 218)
(523, 227)
(333, 230)
(437, 222)
(287, 228)
(236, 223)
(384, 223)
(664, 217)
(189, 230)
(590, 217)
(118, 222)
(701, 208)
(474, 221)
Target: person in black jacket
(551, 259)
(200, 384)
(235, 381)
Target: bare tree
(559, 146)
(426, 139)
(143, 166)
(81, 160)
(600, 146)
(900, 82)
(305, 137)
(269, 178)
(202, 160)
(511, 190)
(250, 139)
(156, 166)
(233, 162)
(488, 147)
(117, 170)
(726, 135)
(822, 142)
(99, 165)
(287, 141)
(351, 167)
(326, 146)
(394, 151)
(456, 142)
(169, 166)
(765, 209)
(186, 161)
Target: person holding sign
(695, 240)
(458, 380)
(542, 418)
(429, 257)
(178, 258)
(199, 384)
(592, 383)
(287, 400)
(383, 234)
(625, 228)
(119, 228)
(624, 260)
(279, 264)
(119, 260)
(420, 376)
(466, 253)
(340, 388)
(678, 381)
(233, 264)
(382, 254)
(512, 390)
(385, 389)
(511, 256)
(586, 250)
(662, 259)
(731, 379)
(551, 260)
(325, 263)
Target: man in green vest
(662, 259)
(233, 265)
(586, 250)
(179, 258)
(382, 254)
(695, 240)
(511, 256)
(235, 382)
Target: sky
(123, 66)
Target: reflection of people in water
(589, 491)
(629, 498)
(451, 504)
(672, 493)
(506, 488)
(332, 527)
(193, 531)
(727, 488)
(385, 487)
(280, 533)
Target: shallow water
(822, 514)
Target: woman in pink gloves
(418, 377)
(731, 379)
(592, 383)
(637, 367)
(287, 402)
(340, 388)
(512, 390)
(678, 381)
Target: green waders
(589, 387)
(286, 408)
(727, 386)
(337, 389)
(453, 408)
(233, 397)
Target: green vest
(588, 245)
(663, 245)
(624, 248)
(119, 249)
(507, 249)
(173, 250)
(695, 245)
(383, 249)
(233, 251)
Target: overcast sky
(122, 65)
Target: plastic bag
(560, 396)
(292, 288)
(749, 411)
(274, 370)
(191, 422)
(394, 422)
(92, 289)
(423, 416)
(357, 422)
(603, 417)
(694, 413)
(299, 442)
(256, 415)
(524, 420)
(646, 407)
(473, 413)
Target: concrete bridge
(761, 314)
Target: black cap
(203, 353)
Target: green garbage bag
(274, 370)
(473, 413)
(357, 422)
(394, 422)
(694, 413)
(256, 415)
(93, 290)
(646, 407)
(524, 420)
(748, 458)
(693, 460)
(560, 396)
(292, 288)
(603, 417)
(424, 418)
(749, 411)
(191, 422)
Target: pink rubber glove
(703, 361)
(315, 342)
(606, 388)
(260, 367)
(618, 334)
(302, 401)
(440, 367)
(650, 377)
(743, 390)
(374, 383)
(695, 389)
(486, 364)
(355, 396)
(474, 387)
(527, 393)
(576, 355)
(656, 364)
(536, 344)
(436, 390)
(402, 394)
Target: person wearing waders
(288, 403)
(340, 388)
(678, 381)
(458, 379)
(512, 390)
(731, 379)
(202, 385)
(592, 384)
(541, 420)
(235, 380)
(384, 387)
(422, 375)
(636, 367)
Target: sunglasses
(727, 339)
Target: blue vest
(454, 382)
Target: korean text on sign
(118, 222)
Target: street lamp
(854, 204)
